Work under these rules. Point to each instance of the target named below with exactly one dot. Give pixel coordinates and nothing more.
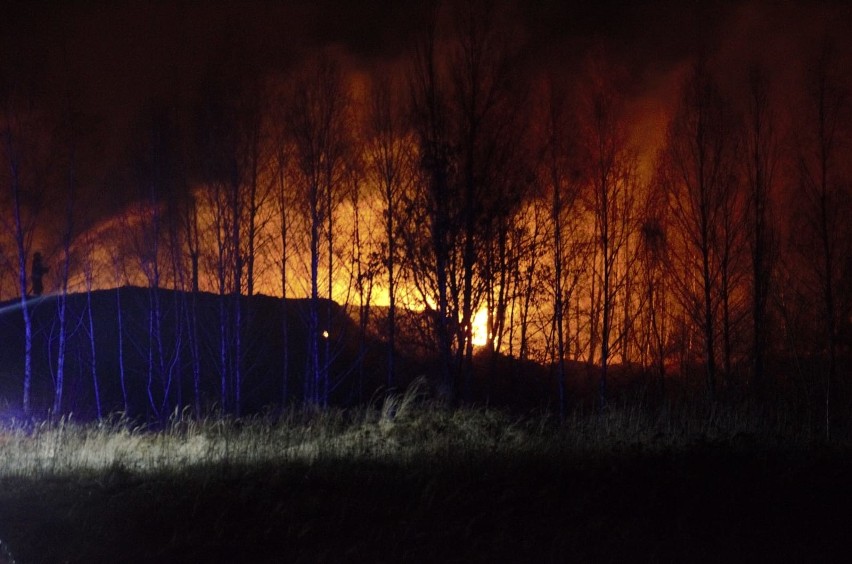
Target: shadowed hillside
(147, 365)
(159, 355)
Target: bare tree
(283, 200)
(732, 245)
(251, 178)
(825, 202)
(613, 184)
(429, 207)
(69, 133)
(655, 274)
(482, 101)
(153, 222)
(224, 153)
(89, 276)
(761, 163)
(23, 191)
(531, 275)
(389, 164)
(697, 172)
(318, 122)
(366, 266)
(562, 176)
(191, 235)
(462, 92)
(119, 278)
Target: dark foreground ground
(713, 503)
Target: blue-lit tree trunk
(64, 272)
(22, 280)
(319, 128)
(252, 183)
(157, 388)
(20, 227)
(181, 326)
(61, 308)
(314, 370)
(326, 334)
(190, 218)
(159, 174)
(217, 146)
(236, 294)
(93, 361)
(153, 404)
(219, 229)
(121, 371)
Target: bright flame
(480, 328)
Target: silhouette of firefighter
(39, 270)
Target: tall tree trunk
(93, 359)
(21, 247)
(121, 368)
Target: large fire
(351, 265)
(480, 328)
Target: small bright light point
(325, 334)
(480, 328)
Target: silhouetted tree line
(460, 180)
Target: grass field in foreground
(408, 483)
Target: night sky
(119, 54)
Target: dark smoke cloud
(119, 56)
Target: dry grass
(404, 427)
(409, 479)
